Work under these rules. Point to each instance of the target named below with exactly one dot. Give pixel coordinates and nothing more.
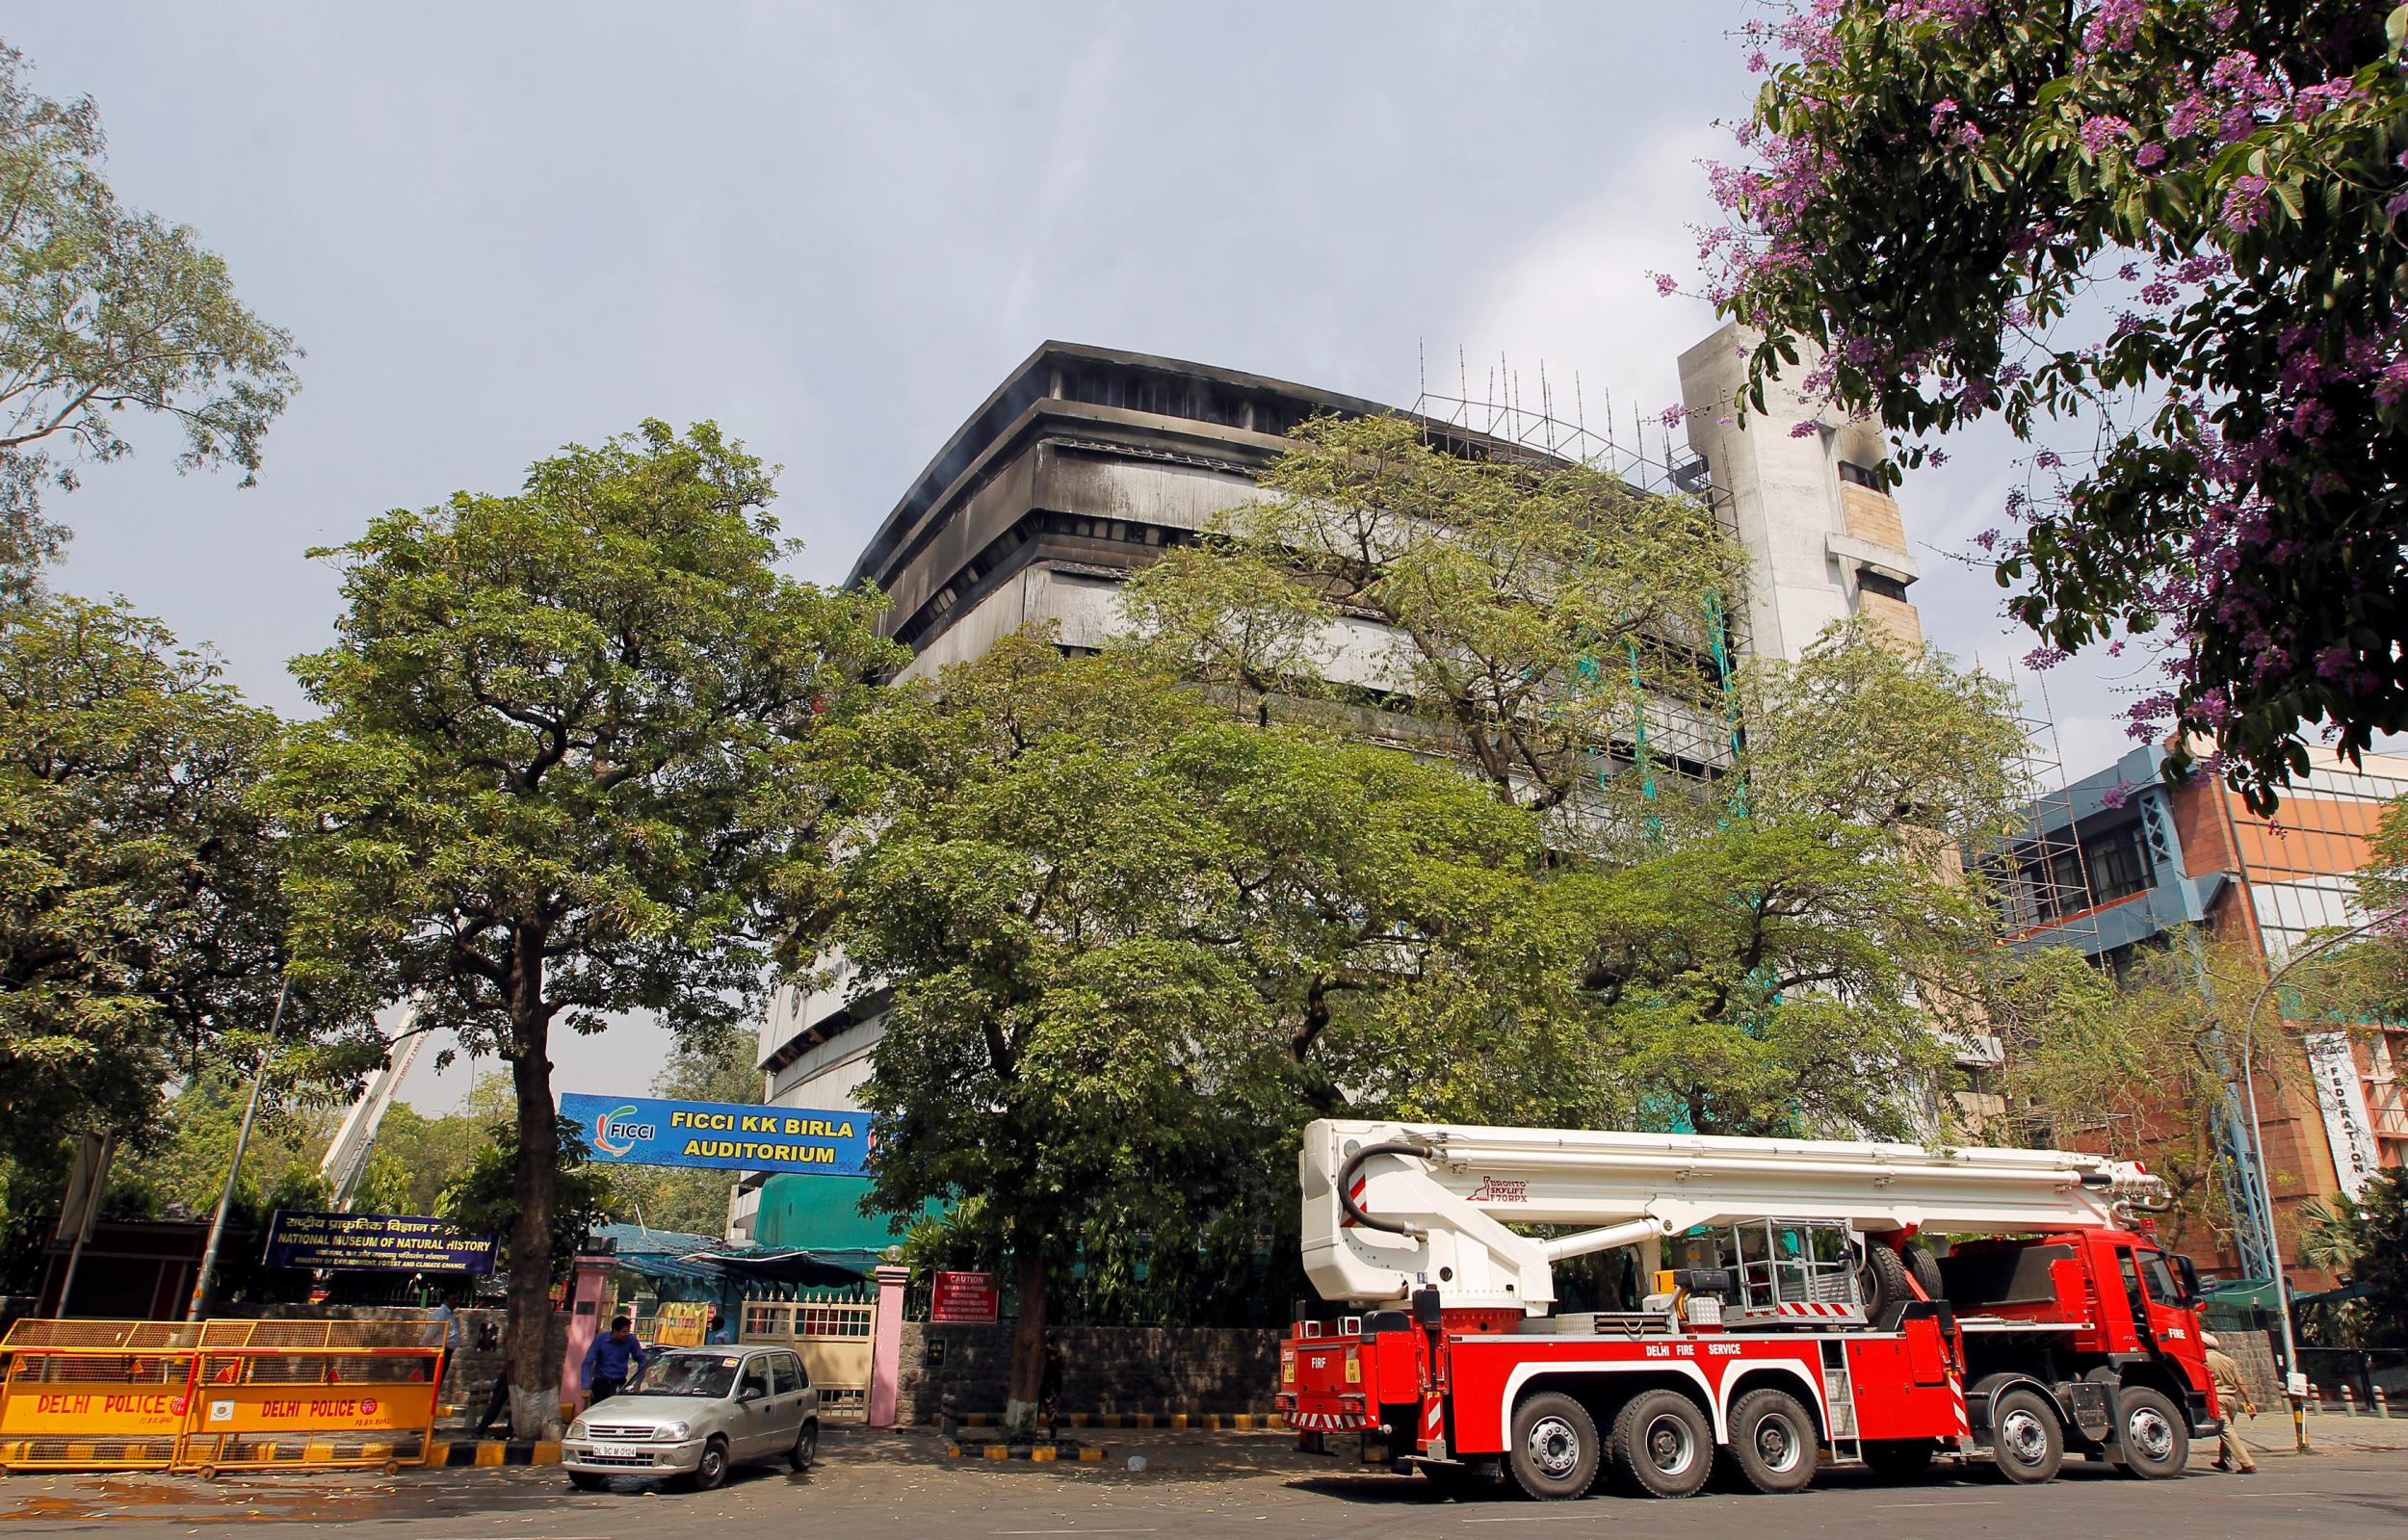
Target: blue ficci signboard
(723, 1135)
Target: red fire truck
(1793, 1311)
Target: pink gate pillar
(886, 1345)
(589, 1296)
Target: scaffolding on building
(1698, 737)
(2042, 880)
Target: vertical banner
(2342, 1097)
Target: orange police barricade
(312, 1393)
(96, 1394)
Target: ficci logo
(613, 1136)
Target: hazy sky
(833, 228)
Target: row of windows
(2042, 883)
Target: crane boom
(1393, 1207)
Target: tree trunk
(1027, 1335)
(535, 1379)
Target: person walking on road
(2232, 1396)
(612, 1362)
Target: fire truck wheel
(1898, 1459)
(1925, 1266)
(1884, 1278)
(2025, 1438)
(1772, 1441)
(1554, 1447)
(2150, 1438)
(1665, 1443)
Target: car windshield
(705, 1374)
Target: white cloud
(1578, 299)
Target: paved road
(1198, 1487)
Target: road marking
(1977, 1502)
(2280, 1494)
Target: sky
(834, 228)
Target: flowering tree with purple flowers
(2170, 231)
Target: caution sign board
(964, 1299)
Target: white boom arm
(1430, 1201)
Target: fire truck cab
(1793, 1313)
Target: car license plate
(616, 1452)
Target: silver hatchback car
(697, 1412)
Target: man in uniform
(2232, 1399)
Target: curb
(461, 1454)
(1065, 1450)
(1212, 1421)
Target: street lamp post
(2293, 1389)
(225, 1199)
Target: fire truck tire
(1885, 1278)
(1925, 1266)
(2150, 1440)
(1772, 1441)
(1663, 1444)
(1555, 1450)
(1898, 1459)
(2026, 1441)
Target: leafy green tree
(1133, 945)
(2173, 227)
(107, 308)
(576, 757)
(2381, 1263)
(1523, 615)
(484, 1201)
(142, 925)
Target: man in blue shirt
(720, 1336)
(612, 1362)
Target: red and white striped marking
(1330, 1422)
(1957, 1407)
(1362, 1185)
(1799, 1307)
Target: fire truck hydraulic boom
(1393, 1207)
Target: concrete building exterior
(1085, 462)
(2120, 859)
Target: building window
(1869, 581)
(2119, 863)
(1863, 476)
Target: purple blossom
(1665, 283)
(2115, 25)
(2048, 459)
(2245, 204)
(1942, 113)
(1671, 416)
(2098, 133)
(2149, 156)
(2043, 658)
(1805, 429)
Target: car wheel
(1772, 1441)
(713, 1471)
(806, 1447)
(587, 1481)
(2025, 1439)
(2150, 1436)
(1662, 1441)
(1554, 1449)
